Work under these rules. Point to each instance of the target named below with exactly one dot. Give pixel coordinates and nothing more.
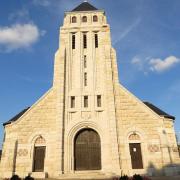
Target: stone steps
(88, 176)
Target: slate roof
(85, 6)
(16, 117)
(158, 111)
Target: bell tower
(85, 77)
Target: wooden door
(39, 156)
(87, 151)
(136, 155)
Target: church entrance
(87, 150)
(136, 155)
(39, 156)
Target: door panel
(39, 156)
(87, 150)
(136, 155)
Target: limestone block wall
(157, 137)
(18, 147)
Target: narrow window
(74, 19)
(84, 41)
(96, 40)
(73, 41)
(85, 101)
(85, 61)
(99, 103)
(85, 79)
(95, 18)
(84, 19)
(72, 101)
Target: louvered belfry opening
(87, 150)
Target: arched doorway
(39, 154)
(87, 150)
(135, 151)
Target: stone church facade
(88, 124)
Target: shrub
(137, 177)
(28, 178)
(15, 177)
(124, 177)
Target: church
(88, 125)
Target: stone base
(86, 175)
(39, 175)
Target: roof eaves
(16, 117)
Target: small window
(85, 79)
(74, 19)
(85, 101)
(85, 61)
(96, 40)
(95, 18)
(84, 19)
(99, 101)
(72, 101)
(73, 41)
(84, 41)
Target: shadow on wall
(168, 170)
(0, 154)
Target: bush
(15, 177)
(124, 177)
(28, 178)
(137, 177)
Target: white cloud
(44, 3)
(154, 64)
(19, 36)
(138, 62)
(160, 65)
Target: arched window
(84, 19)
(134, 136)
(74, 19)
(39, 154)
(95, 18)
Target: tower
(85, 77)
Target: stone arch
(71, 137)
(135, 150)
(39, 154)
(134, 136)
(40, 141)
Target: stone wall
(39, 120)
(157, 135)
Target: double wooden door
(87, 150)
(39, 156)
(136, 155)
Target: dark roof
(158, 111)
(85, 6)
(16, 117)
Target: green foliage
(15, 177)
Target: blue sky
(145, 33)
